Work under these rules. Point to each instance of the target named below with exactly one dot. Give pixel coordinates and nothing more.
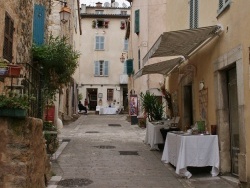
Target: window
(8, 37)
(139, 59)
(101, 68)
(100, 23)
(123, 25)
(125, 47)
(223, 4)
(137, 22)
(110, 94)
(99, 11)
(193, 21)
(99, 42)
(123, 12)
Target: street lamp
(122, 58)
(65, 12)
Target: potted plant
(14, 105)
(151, 106)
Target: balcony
(123, 79)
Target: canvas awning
(181, 42)
(176, 43)
(160, 68)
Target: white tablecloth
(194, 150)
(107, 110)
(153, 135)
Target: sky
(92, 2)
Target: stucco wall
(23, 158)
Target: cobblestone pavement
(96, 155)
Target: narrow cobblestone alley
(107, 151)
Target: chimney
(83, 8)
(98, 4)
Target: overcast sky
(92, 2)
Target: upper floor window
(123, 25)
(101, 68)
(125, 47)
(99, 11)
(223, 4)
(193, 19)
(99, 42)
(8, 37)
(137, 22)
(123, 12)
(100, 23)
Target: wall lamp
(65, 12)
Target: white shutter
(106, 68)
(97, 67)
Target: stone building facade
(211, 83)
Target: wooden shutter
(129, 66)
(106, 68)
(97, 68)
(8, 37)
(38, 24)
(137, 22)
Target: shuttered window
(38, 24)
(193, 20)
(129, 66)
(99, 43)
(101, 68)
(8, 37)
(137, 22)
(223, 4)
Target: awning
(160, 68)
(181, 42)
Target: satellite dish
(116, 4)
(106, 4)
(124, 5)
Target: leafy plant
(58, 62)
(151, 106)
(15, 100)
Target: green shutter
(137, 21)
(129, 63)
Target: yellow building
(201, 51)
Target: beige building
(102, 76)
(208, 76)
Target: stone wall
(23, 158)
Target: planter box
(13, 112)
(14, 70)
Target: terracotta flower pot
(14, 70)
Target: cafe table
(183, 150)
(107, 110)
(153, 135)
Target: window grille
(8, 37)
(193, 21)
(99, 42)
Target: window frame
(99, 44)
(110, 94)
(101, 68)
(225, 4)
(8, 37)
(193, 14)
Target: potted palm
(14, 105)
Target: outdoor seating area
(183, 149)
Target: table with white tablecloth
(191, 150)
(153, 135)
(107, 110)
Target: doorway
(92, 98)
(188, 106)
(233, 119)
